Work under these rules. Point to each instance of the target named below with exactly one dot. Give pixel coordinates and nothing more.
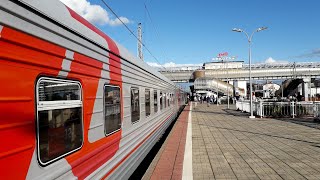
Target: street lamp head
(261, 28)
(237, 30)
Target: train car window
(155, 101)
(59, 118)
(147, 101)
(135, 105)
(172, 99)
(165, 100)
(161, 98)
(112, 109)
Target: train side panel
(22, 61)
(36, 42)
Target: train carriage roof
(61, 14)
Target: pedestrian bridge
(258, 71)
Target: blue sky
(193, 32)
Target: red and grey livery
(73, 102)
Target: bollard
(292, 107)
(261, 110)
(314, 109)
(242, 106)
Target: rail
(281, 109)
(289, 65)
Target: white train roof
(57, 11)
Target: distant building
(270, 89)
(223, 65)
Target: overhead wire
(103, 1)
(157, 32)
(155, 29)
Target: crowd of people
(213, 99)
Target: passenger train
(74, 104)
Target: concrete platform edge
(187, 161)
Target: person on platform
(299, 97)
(253, 97)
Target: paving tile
(232, 146)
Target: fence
(281, 109)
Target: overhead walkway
(216, 85)
(259, 71)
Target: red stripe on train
(115, 64)
(23, 57)
(93, 155)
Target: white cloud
(171, 65)
(153, 64)
(270, 60)
(117, 22)
(93, 13)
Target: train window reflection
(52, 91)
(112, 106)
(59, 113)
(155, 100)
(147, 101)
(135, 105)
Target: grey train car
(74, 104)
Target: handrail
(281, 109)
(289, 65)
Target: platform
(226, 144)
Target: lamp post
(250, 78)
